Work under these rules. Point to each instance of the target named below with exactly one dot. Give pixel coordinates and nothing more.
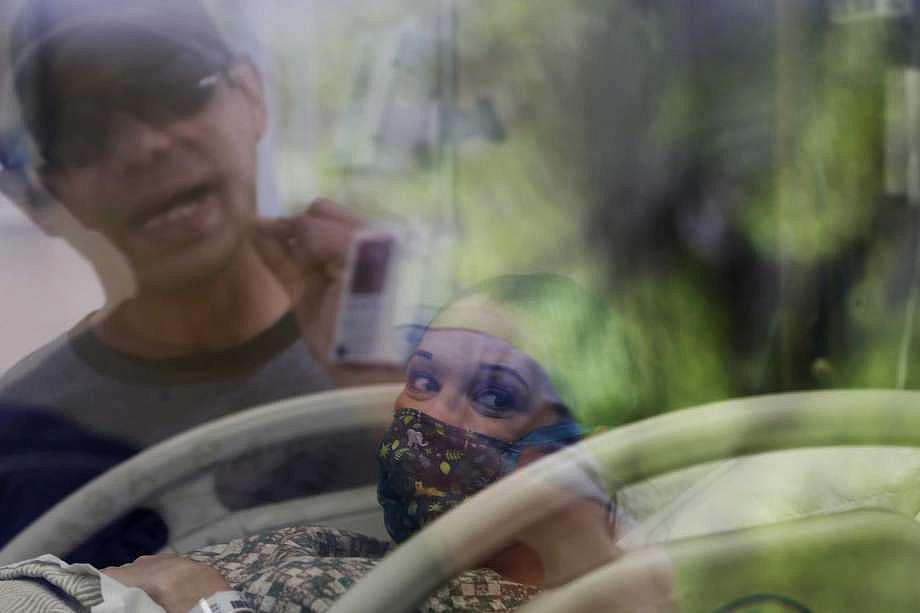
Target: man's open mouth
(187, 216)
(180, 207)
(171, 216)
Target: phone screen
(367, 318)
(372, 263)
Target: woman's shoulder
(482, 589)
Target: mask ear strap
(565, 432)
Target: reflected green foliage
(883, 310)
(518, 212)
(826, 188)
(632, 140)
(678, 337)
(521, 55)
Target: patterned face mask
(428, 467)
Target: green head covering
(571, 334)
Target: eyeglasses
(77, 133)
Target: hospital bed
(178, 478)
(828, 558)
(856, 559)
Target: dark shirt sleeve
(43, 459)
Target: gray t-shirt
(144, 401)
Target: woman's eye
(423, 383)
(496, 400)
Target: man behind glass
(147, 126)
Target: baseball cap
(42, 24)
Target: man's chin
(183, 272)
(173, 282)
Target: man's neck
(236, 305)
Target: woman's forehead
(478, 314)
(470, 348)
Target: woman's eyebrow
(504, 369)
(421, 354)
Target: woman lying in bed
(491, 385)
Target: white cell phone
(366, 327)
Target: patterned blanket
(300, 569)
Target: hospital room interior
(459, 305)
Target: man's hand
(308, 253)
(175, 583)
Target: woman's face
(477, 382)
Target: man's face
(175, 192)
